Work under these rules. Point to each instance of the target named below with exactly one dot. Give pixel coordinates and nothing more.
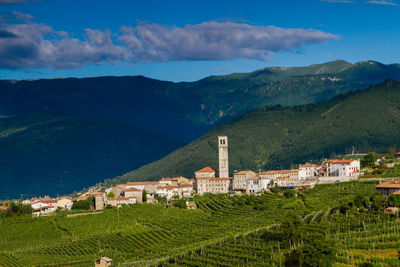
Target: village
(211, 181)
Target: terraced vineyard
(224, 230)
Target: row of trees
(307, 245)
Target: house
(391, 210)
(258, 184)
(181, 191)
(213, 185)
(119, 201)
(149, 187)
(343, 167)
(240, 179)
(309, 169)
(206, 181)
(134, 193)
(174, 181)
(64, 203)
(206, 172)
(285, 177)
(103, 262)
(42, 208)
(387, 188)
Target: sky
(189, 40)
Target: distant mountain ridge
(140, 120)
(276, 137)
(52, 153)
(186, 110)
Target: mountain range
(278, 137)
(59, 135)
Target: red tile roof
(388, 185)
(142, 183)
(206, 169)
(308, 165)
(132, 190)
(340, 161)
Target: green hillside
(274, 137)
(159, 235)
(51, 153)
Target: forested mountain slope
(51, 153)
(275, 137)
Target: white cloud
(32, 45)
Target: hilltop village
(208, 180)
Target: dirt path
(80, 214)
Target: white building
(255, 185)
(285, 177)
(240, 179)
(340, 170)
(182, 191)
(42, 208)
(311, 170)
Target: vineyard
(224, 230)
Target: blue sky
(188, 40)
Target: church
(209, 180)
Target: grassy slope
(149, 233)
(49, 153)
(276, 137)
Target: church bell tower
(223, 156)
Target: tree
(180, 204)
(394, 200)
(144, 196)
(81, 205)
(392, 152)
(316, 250)
(369, 160)
(110, 195)
(359, 201)
(290, 229)
(17, 209)
(379, 203)
(289, 193)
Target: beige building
(103, 262)
(150, 187)
(174, 181)
(285, 177)
(206, 172)
(240, 179)
(311, 170)
(134, 193)
(182, 191)
(119, 201)
(64, 203)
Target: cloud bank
(32, 45)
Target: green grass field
(223, 231)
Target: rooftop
(340, 161)
(394, 184)
(206, 169)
